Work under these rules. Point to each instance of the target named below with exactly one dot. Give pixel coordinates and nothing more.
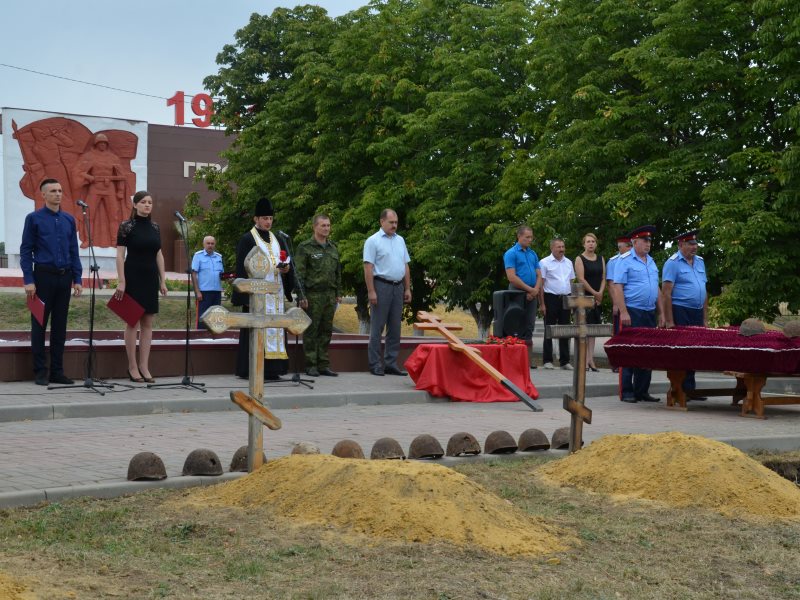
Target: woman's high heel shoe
(591, 368)
(139, 379)
(147, 379)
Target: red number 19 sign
(202, 106)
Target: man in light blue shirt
(206, 274)
(388, 282)
(684, 288)
(637, 296)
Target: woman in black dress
(140, 268)
(590, 270)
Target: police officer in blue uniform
(684, 289)
(637, 296)
(207, 272)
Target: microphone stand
(186, 382)
(90, 383)
(296, 376)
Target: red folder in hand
(36, 306)
(127, 309)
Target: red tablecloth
(704, 349)
(443, 372)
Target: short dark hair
(557, 239)
(319, 217)
(48, 181)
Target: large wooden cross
(219, 319)
(576, 404)
(427, 321)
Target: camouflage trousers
(317, 338)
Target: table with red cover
(443, 372)
(752, 359)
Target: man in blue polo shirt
(684, 288)
(523, 273)
(206, 273)
(388, 282)
(51, 269)
(637, 296)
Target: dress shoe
(138, 379)
(648, 398)
(312, 372)
(328, 373)
(40, 378)
(395, 371)
(377, 371)
(593, 369)
(61, 378)
(630, 399)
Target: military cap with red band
(645, 231)
(689, 236)
(624, 239)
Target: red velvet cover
(704, 349)
(443, 372)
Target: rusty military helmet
(239, 460)
(462, 443)
(305, 448)
(347, 449)
(792, 329)
(500, 442)
(533, 439)
(560, 439)
(425, 446)
(751, 327)
(387, 448)
(146, 466)
(202, 462)
(100, 137)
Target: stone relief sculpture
(94, 167)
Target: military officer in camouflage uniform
(318, 267)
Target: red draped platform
(443, 372)
(751, 359)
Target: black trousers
(55, 291)
(555, 314)
(688, 316)
(209, 299)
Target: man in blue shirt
(51, 269)
(637, 296)
(623, 247)
(522, 270)
(684, 288)
(206, 273)
(388, 280)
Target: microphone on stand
(82, 204)
(181, 218)
(284, 235)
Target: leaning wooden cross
(576, 404)
(218, 319)
(427, 321)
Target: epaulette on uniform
(674, 256)
(626, 255)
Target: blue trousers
(636, 382)
(209, 299)
(687, 316)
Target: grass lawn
(137, 547)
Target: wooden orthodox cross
(576, 404)
(427, 321)
(219, 319)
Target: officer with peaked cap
(638, 297)
(261, 234)
(684, 289)
(623, 248)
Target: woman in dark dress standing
(590, 270)
(140, 268)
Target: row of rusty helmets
(149, 466)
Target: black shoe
(312, 372)
(376, 371)
(61, 378)
(648, 398)
(273, 378)
(629, 399)
(698, 398)
(395, 371)
(40, 378)
(328, 373)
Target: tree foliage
(470, 117)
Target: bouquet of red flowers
(506, 341)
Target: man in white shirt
(557, 275)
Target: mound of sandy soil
(400, 500)
(679, 470)
(12, 589)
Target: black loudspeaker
(509, 313)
